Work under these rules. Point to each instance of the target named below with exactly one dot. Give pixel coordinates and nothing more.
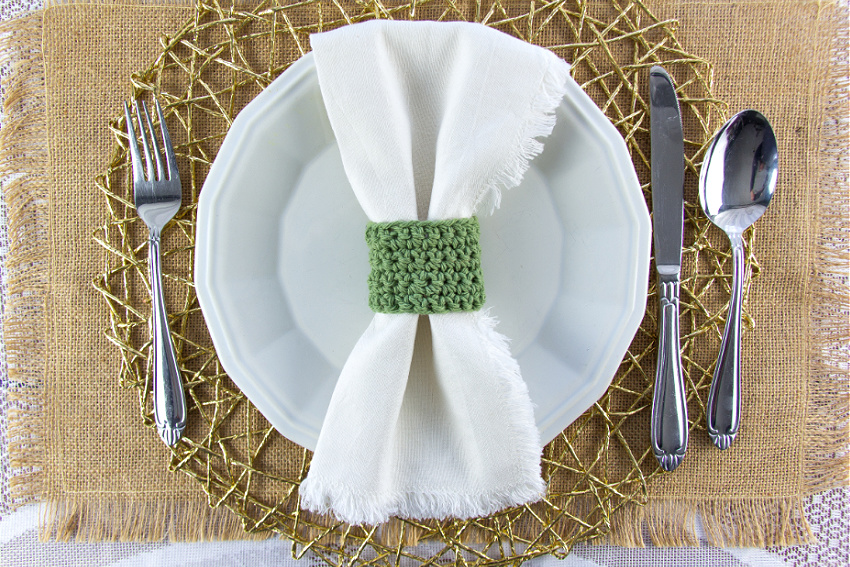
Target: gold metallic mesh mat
(215, 64)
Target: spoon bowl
(738, 177)
(736, 185)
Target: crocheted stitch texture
(425, 266)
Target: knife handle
(723, 412)
(669, 425)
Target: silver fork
(158, 196)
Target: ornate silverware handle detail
(169, 398)
(724, 398)
(669, 424)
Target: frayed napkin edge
(356, 508)
(539, 124)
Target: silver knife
(669, 424)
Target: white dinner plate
(281, 259)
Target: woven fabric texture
(425, 266)
(793, 392)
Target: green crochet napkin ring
(425, 266)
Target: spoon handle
(724, 397)
(669, 423)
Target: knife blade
(669, 422)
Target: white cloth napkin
(432, 120)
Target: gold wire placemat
(214, 65)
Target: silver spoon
(737, 181)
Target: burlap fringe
(759, 522)
(825, 460)
(120, 518)
(23, 148)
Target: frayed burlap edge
(120, 518)
(825, 460)
(753, 522)
(23, 168)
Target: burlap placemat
(73, 64)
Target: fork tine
(170, 158)
(160, 172)
(133, 143)
(145, 144)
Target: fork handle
(169, 400)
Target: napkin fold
(432, 121)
